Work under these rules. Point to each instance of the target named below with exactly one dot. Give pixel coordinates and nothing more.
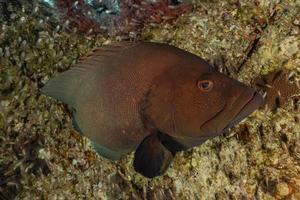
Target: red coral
(76, 13)
(138, 13)
(133, 16)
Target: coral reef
(77, 14)
(123, 18)
(41, 157)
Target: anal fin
(105, 152)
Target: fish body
(150, 98)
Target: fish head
(198, 102)
(234, 100)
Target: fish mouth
(251, 105)
(222, 121)
(219, 113)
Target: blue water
(50, 2)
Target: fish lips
(255, 102)
(223, 120)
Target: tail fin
(64, 86)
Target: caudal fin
(64, 86)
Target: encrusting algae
(42, 157)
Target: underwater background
(256, 42)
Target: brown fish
(152, 98)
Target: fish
(151, 98)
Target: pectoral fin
(151, 157)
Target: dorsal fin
(106, 51)
(98, 55)
(64, 87)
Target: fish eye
(205, 85)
